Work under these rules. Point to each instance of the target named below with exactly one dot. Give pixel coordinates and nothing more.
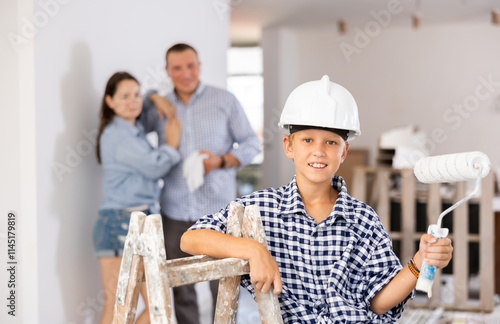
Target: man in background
(214, 128)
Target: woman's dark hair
(107, 114)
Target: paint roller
(448, 168)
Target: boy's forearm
(436, 252)
(264, 271)
(217, 245)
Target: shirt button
(318, 273)
(315, 234)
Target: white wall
(76, 46)
(401, 76)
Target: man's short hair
(179, 47)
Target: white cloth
(193, 170)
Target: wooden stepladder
(144, 259)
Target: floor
(439, 316)
(249, 314)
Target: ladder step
(207, 270)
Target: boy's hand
(264, 271)
(436, 252)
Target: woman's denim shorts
(111, 230)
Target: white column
(280, 60)
(18, 199)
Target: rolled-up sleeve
(382, 267)
(216, 222)
(149, 117)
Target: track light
(342, 27)
(495, 17)
(416, 17)
(415, 20)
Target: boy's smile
(317, 154)
(318, 165)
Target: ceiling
(249, 17)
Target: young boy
(329, 259)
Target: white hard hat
(322, 104)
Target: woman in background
(132, 168)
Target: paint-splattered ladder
(144, 259)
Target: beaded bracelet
(413, 268)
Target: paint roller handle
(476, 190)
(427, 272)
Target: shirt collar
(199, 90)
(341, 206)
(292, 201)
(121, 123)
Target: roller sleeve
(452, 167)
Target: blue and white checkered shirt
(213, 120)
(331, 270)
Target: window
(245, 81)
